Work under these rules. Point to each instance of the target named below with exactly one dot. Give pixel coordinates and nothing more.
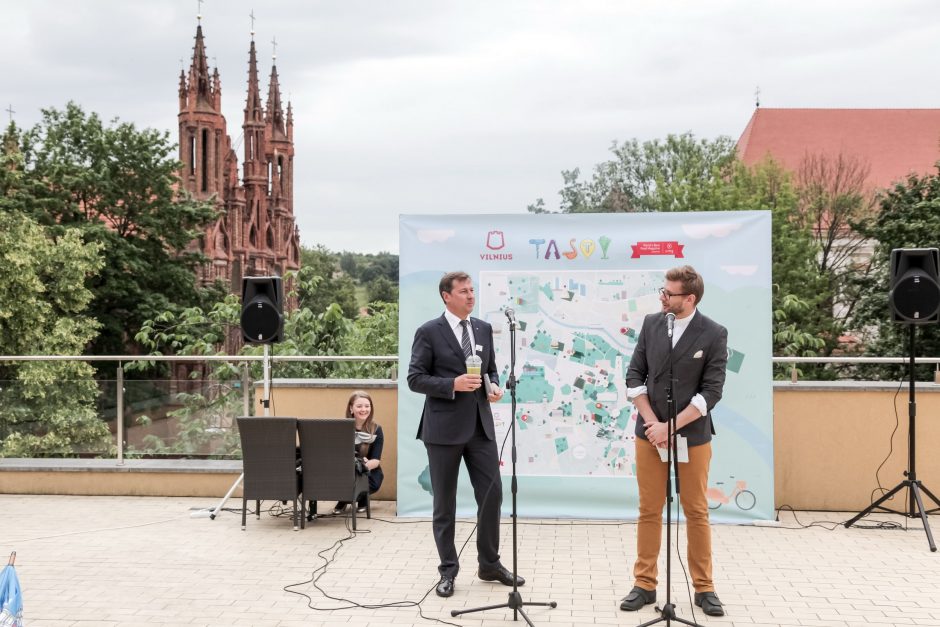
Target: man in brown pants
(699, 356)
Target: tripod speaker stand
(915, 501)
(515, 601)
(914, 299)
(262, 322)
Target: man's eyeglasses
(664, 292)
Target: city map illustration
(575, 335)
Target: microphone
(511, 314)
(670, 323)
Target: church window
(205, 160)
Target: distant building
(890, 143)
(893, 142)
(256, 234)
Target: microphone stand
(515, 601)
(668, 611)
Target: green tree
(201, 330)
(908, 217)
(320, 284)
(116, 185)
(382, 290)
(46, 408)
(684, 174)
(801, 325)
(375, 333)
(349, 263)
(678, 174)
(196, 331)
(835, 205)
(378, 265)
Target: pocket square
(697, 355)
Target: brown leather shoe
(637, 598)
(501, 574)
(709, 603)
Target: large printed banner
(580, 286)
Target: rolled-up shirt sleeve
(632, 393)
(698, 401)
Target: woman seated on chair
(370, 441)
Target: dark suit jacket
(699, 360)
(437, 359)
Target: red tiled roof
(894, 142)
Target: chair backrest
(327, 451)
(269, 457)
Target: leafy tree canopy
(46, 408)
(678, 174)
(685, 174)
(908, 217)
(321, 284)
(117, 186)
(198, 331)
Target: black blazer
(437, 359)
(699, 361)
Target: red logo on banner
(657, 248)
(495, 240)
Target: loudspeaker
(262, 319)
(915, 285)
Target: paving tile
(126, 561)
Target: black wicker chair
(269, 459)
(327, 451)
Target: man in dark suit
(699, 356)
(457, 423)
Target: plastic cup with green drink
(474, 363)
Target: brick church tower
(255, 234)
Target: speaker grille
(916, 296)
(261, 320)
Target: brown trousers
(693, 481)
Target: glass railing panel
(54, 417)
(182, 418)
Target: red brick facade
(256, 234)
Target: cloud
(418, 107)
(740, 270)
(701, 231)
(429, 236)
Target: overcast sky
(437, 106)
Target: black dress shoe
(709, 603)
(637, 598)
(501, 574)
(445, 587)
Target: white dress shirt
(454, 323)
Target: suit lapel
(481, 339)
(685, 343)
(450, 338)
(659, 349)
(689, 338)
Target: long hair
(369, 426)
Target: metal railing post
(120, 414)
(246, 393)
